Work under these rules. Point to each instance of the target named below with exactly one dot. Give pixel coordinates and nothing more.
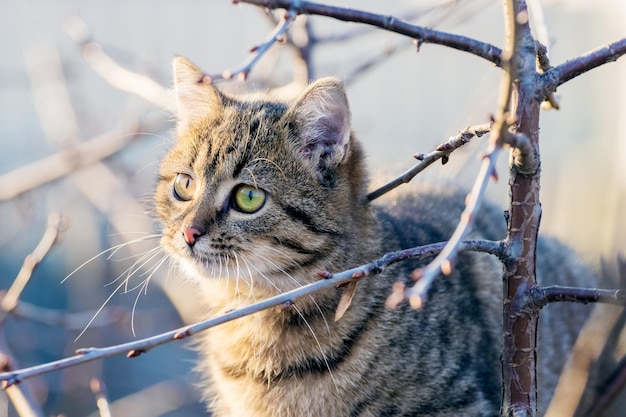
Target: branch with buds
(442, 152)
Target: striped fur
(440, 361)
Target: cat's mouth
(259, 265)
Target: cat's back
(450, 348)
(466, 306)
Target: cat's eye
(184, 187)
(248, 199)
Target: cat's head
(257, 191)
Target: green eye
(184, 187)
(248, 199)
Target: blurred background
(57, 112)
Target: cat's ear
(196, 96)
(321, 122)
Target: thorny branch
(135, 348)
(442, 152)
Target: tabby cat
(257, 196)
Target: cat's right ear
(321, 119)
(196, 96)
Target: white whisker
(319, 345)
(144, 286)
(293, 262)
(99, 310)
(112, 250)
(310, 297)
(144, 258)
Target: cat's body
(258, 197)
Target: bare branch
(444, 262)
(71, 321)
(442, 152)
(56, 224)
(116, 75)
(561, 74)
(423, 35)
(520, 110)
(259, 50)
(407, 15)
(137, 347)
(74, 157)
(20, 396)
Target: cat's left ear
(196, 96)
(321, 124)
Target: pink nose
(191, 234)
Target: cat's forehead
(243, 132)
(248, 125)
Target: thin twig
(259, 50)
(137, 347)
(112, 196)
(442, 152)
(20, 396)
(444, 262)
(116, 75)
(102, 402)
(71, 321)
(160, 399)
(56, 224)
(390, 23)
(74, 157)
